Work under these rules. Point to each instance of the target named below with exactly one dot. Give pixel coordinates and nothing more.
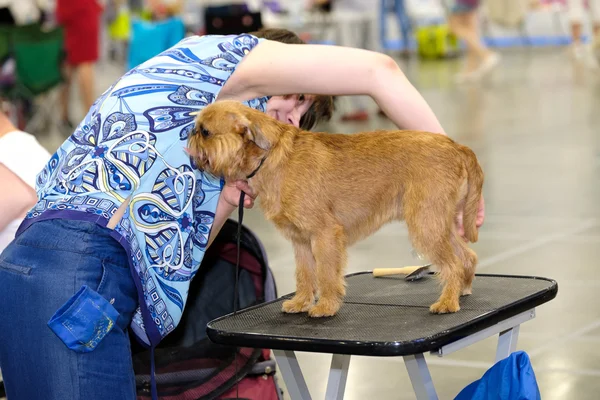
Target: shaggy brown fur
(325, 192)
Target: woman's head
(302, 110)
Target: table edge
(383, 349)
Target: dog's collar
(257, 168)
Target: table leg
(338, 375)
(507, 343)
(420, 377)
(508, 327)
(292, 374)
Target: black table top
(384, 316)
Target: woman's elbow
(386, 73)
(388, 64)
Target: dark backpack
(188, 364)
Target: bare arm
(274, 68)
(16, 197)
(227, 204)
(223, 212)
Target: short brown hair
(323, 105)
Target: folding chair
(37, 54)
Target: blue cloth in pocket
(84, 320)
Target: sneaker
(591, 56)
(488, 64)
(485, 67)
(586, 54)
(465, 77)
(577, 51)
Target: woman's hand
(232, 190)
(228, 202)
(460, 228)
(480, 213)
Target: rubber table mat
(384, 316)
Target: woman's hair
(323, 106)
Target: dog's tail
(474, 189)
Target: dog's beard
(224, 159)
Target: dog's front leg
(306, 280)
(329, 250)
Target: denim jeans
(41, 272)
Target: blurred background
(516, 80)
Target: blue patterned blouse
(131, 143)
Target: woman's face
(289, 109)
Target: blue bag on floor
(510, 379)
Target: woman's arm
(274, 68)
(228, 202)
(16, 197)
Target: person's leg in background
(86, 78)
(580, 51)
(65, 96)
(576, 12)
(84, 74)
(403, 24)
(594, 6)
(82, 45)
(464, 23)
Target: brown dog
(326, 191)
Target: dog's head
(229, 139)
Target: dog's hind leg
(329, 249)
(430, 224)
(469, 261)
(306, 280)
(451, 274)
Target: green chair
(37, 54)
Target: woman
(124, 219)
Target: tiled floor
(534, 125)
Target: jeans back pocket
(84, 320)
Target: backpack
(188, 365)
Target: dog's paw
(294, 305)
(467, 291)
(444, 307)
(324, 308)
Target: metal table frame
(503, 319)
(507, 331)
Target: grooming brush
(412, 273)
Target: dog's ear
(254, 134)
(251, 131)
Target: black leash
(235, 289)
(237, 267)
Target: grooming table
(388, 317)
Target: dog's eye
(204, 132)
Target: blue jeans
(40, 273)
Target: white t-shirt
(21, 153)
